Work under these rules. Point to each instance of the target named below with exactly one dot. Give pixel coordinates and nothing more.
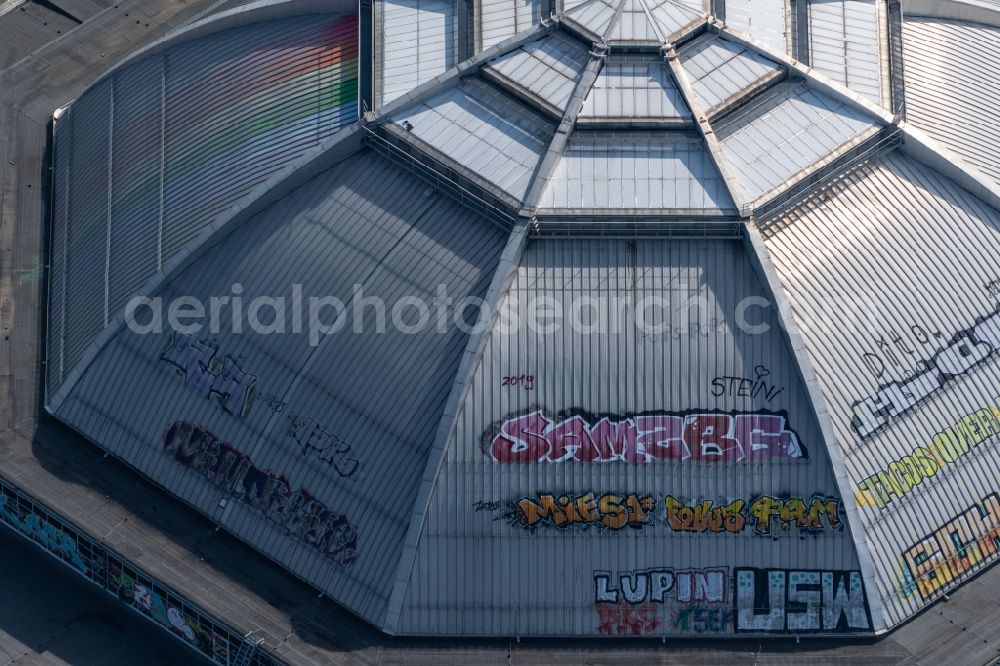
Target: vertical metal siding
(476, 574)
(847, 43)
(417, 42)
(238, 105)
(765, 20)
(885, 270)
(951, 93)
(364, 222)
(499, 19)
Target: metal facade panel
(417, 42)
(951, 93)
(87, 227)
(778, 137)
(238, 106)
(485, 131)
(674, 16)
(481, 569)
(596, 16)
(330, 439)
(720, 69)
(549, 67)
(500, 19)
(765, 20)
(634, 25)
(846, 43)
(635, 87)
(894, 283)
(56, 323)
(636, 170)
(242, 104)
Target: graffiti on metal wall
(630, 602)
(642, 438)
(946, 448)
(798, 602)
(768, 516)
(753, 388)
(964, 544)
(144, 598)
(41, 531)
(327, 447)
(611, 511)
(625, 619)
(966, 350)
(297, 511)
(661, 586)
(763, 515)
(208, 374)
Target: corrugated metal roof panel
(500, 19)
(635, 87)
(846, 44)
(778, 137)
(549, 67)
(417, 42)
(595, 16)
(674, 16)
(636, 170)
(894, 284)
(634, 25)
(765, 20)
(951, 92)
(330, 438)
(720, 69)
(480, 570)
(195, 126)
(482, 129)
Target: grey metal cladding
(87, 227)
(674, 16)
(478, 572)
(146, 158)
(720, 69)
(416, 40)
(895, 286)
(348, 421)
(951, 93)
(765, 20)
(633, 26)
(595, 16)
(636, 171)
(484, 130)
(779, 136)
(549, 67)
(500, 19)
(848, 43)
(635, 87)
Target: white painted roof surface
(635, 87)
(549, 67)
(720, 69)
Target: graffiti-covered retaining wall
(158, 603)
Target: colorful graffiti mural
(964, 544)
(767, 515)
(609, 511)
(653, 585)
(946, 448)
(210, 375)
(624, 619)
(42, 532)
(967, 349)
(643, 438)
(301, 515)
(799, 602)
(703, 620)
